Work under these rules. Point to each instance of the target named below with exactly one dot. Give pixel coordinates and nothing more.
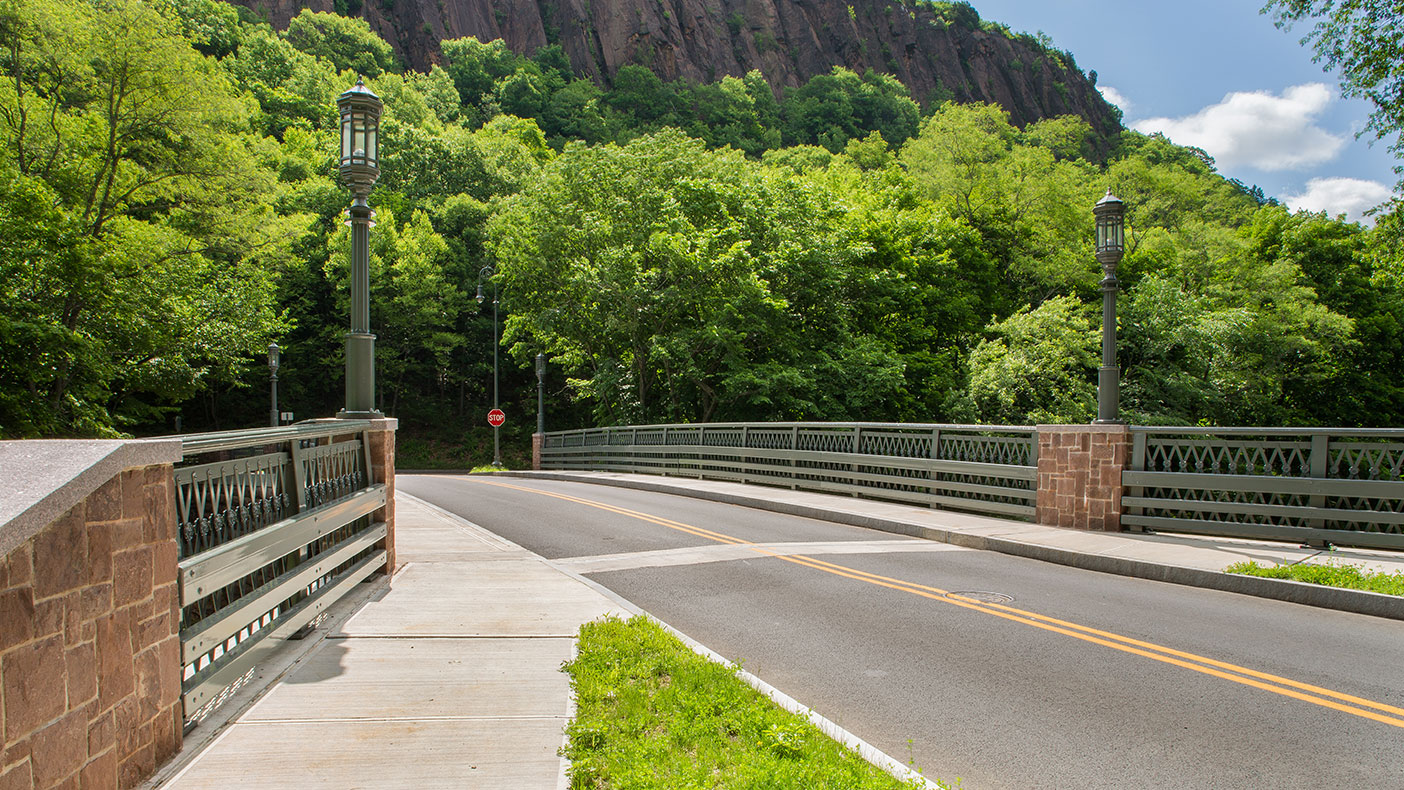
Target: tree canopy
(168, 206)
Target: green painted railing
(1327, 485)
(274, 525)
(980, 468)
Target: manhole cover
(982, 597)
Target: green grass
(1331, 575)
(654, 714)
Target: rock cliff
(788, 41)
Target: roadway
(1003, 671)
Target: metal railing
(1309, 485)
(980, 468)
(274, 525)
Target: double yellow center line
(1316, 695)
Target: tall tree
(677, 283)
(145, 274)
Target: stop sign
(496, 418)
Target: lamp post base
(1108, 394)
(360, 374)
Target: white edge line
(864, 749)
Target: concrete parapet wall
(89, 617)
(1079, 475)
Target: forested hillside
(938, 50)
(680, 251)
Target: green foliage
(414, 306)
(653, 714)
(1028, 206)
(1039, 367)
(347, 43)
(1365, 40)
(475, 68)
(1331, 574)
(960, 13)
(139, 242)
(291, 88)
(211, 26)
(682, 251)
(833, 108)
(650, 270)
(439, 93)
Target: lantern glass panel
(358, 135)
(346, 137)
(371, 144)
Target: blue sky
(1221, 76)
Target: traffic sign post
(495, 419)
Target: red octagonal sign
(496, 418)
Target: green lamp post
(360, 167)
(1111, 244)
(274, 359)
(540, 393)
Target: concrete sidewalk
(449, 678)
(1181, 559)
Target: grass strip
(653, 714)
(1353, 577)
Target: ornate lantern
(360, 138)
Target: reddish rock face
(788, 41)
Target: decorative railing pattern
(1311, 485)
(987, 469)
(274, 525)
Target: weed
(653, 714)
(1331, 574)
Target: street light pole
(360, 168)
(487, 272)
(540, 393)
(273, 360)
(1109, 212)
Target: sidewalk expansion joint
(391, 719)
(451, 636)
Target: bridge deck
(452, 671)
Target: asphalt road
(1040, 675)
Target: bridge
(151, 588)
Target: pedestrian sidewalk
(449, 678)
(1181, 559)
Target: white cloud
(1258, 129)
(1349, 196)
(1114, 96)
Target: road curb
(1338, 598)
